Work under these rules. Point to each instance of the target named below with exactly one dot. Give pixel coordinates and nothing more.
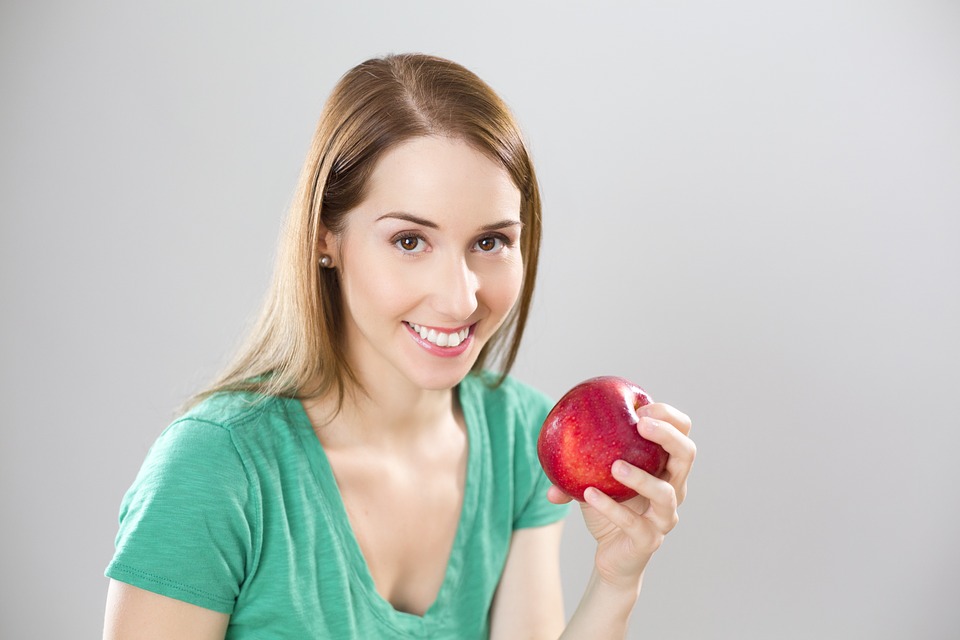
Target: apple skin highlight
(592, 426)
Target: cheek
(372, 290)
(505, 290)
(376, 296)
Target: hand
(629, 532)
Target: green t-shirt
(236, 509)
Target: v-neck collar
(336, 515)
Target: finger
(661, 495)
(665, 412)
(619, 514)
(682, 452)
(557, 496)
(681, 448)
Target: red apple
(593, 425)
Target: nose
(456, 286)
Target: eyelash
(505, 242)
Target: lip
(443, 352)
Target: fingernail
(621, 469)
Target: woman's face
(429, 263)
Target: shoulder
(200, 444)
(211, 443)
(240, 418)
(230, 410)
(198, 470)
(191, 522)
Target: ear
(327, 245)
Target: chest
(404, 511)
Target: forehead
(440, 178)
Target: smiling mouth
(440, 338)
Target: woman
(358, 472)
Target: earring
(326, 262)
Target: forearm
(603, 612)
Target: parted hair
(296, 347)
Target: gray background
(751, 209)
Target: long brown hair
(296, 347)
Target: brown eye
(410, 244)
(489, 244)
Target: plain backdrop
(751, 208)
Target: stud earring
(326, 262)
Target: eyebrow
(409, 217)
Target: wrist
(604, 610)
(618, 589)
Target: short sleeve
(533, 508)
(187, 523)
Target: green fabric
(236, 509)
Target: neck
(385, 414)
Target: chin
(430, 372)
(437, 380)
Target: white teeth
(439, 338)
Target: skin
(436, 243)
(416, 251)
